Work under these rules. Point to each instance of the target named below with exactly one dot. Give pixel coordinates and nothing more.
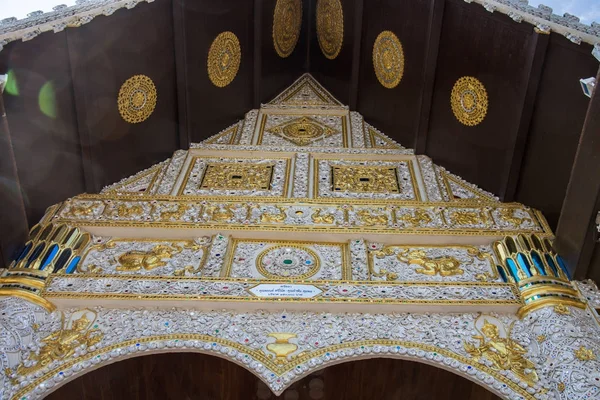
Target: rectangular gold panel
(237, 176)
(365, 179)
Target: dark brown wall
(210, 108)
(394, 111)
(129, 42)
(77, 141)
(336, 74)
(556, 126)
(202, 377)
(46, 147)
(493, 49)
(277, 73)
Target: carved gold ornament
(330, 27)
(388, 59)
(303, 131)
(365, 179)
(287, 21)
(137, 99)
(469, 101)
(224, 58)
(237, 176)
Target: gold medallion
(224, 57)
(287, 21)
(388, 59)
(469, 100)
(330, 27)
(137, 99)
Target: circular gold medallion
(469, 100)
(330, 27)
(388, 59)
(224, 57)
(288, 262)
(137, 99)
(287, 21)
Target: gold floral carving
(319, 218)
(443, 266)
(224, 58)
(388, 59)
(365, 179)
(237, 176)
(287, 21)
(137, 99)
(330, 27)
(584, 354)
(467, 217)
(508, 215)
(469, 100)
(419, 218)
(372, 219)
(504, 353)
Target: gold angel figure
(61, 344)
(504, 353)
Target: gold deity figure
(504, 353)
(62, 344)
(135, 260)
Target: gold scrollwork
(469, 101)
(287, 21)
(224, 58)
(388, 59)
(137, 99)
(330, 27)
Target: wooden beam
(357, 34)
(13, 217)
(85, 140)
(179, 46)
(257, 71)
(533, 74)
(574, 235)
(433, 43)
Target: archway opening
(192, 376)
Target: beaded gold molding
(224, 58)
(330, 27)
(137, 99)
(469, 101)
(287, 22)
(388, 59)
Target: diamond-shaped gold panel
(237, 176)
(365, 179)
(302, 131)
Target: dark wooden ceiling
(187, 376)
(522, 151)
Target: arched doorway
(188, 376)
